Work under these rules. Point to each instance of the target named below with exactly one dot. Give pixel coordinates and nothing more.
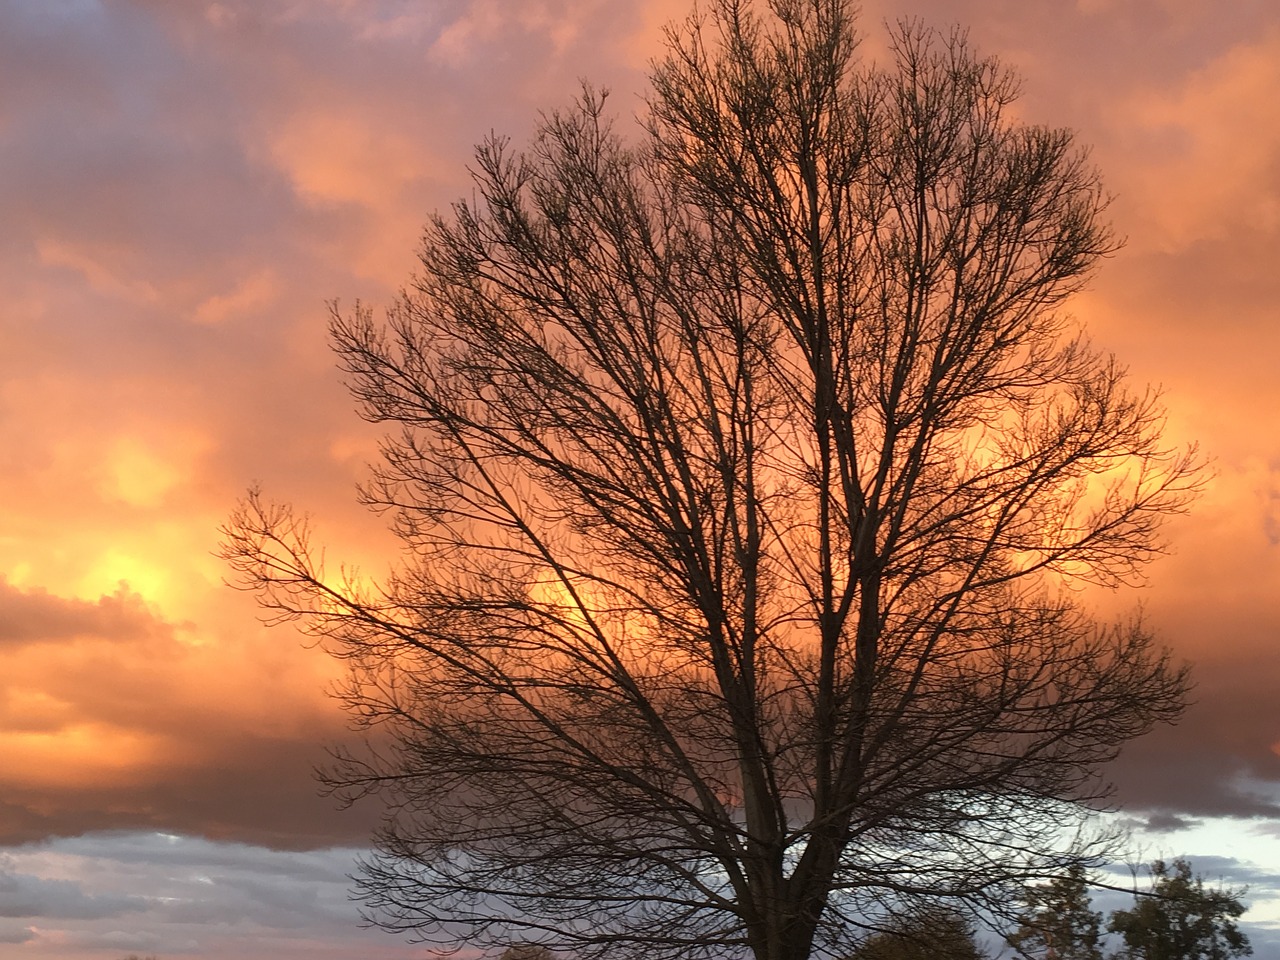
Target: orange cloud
(186, 184)
(251, 293)
(1210, 147)
(111, 717)
(334, 156)
(101, 278)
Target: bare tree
(743, 472)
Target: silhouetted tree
(526, 951)
(740, 472)
(1059, 922)
(1180, 920)
(933, 934)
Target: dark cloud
(1223, 757)
(134, 941)
(1176, 781)
(265, 795)
(1166, 823)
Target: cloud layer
(115, 893)
(183, 186)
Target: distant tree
(1181, 920)
(526, 951)
(931, 934)
(742, 472)
(1058, 922)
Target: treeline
(1178, 918)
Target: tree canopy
(934, 934)
(743, 467)
(1181, 920)
(1059, 922)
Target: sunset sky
(185, 183)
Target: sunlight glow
(116, 569)
(77, 755)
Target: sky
(183, 186)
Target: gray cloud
(187, 895)
(30, 897)
(1167, 823)
(15, 933)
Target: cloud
(1212, 142)
(111, 717)
(27, 897)
(1212, 602)
(15, 933)
(166, 894)
(1168, 823)
(39, 616)
(1183, 128)
(182, 186)
(1262, 880)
